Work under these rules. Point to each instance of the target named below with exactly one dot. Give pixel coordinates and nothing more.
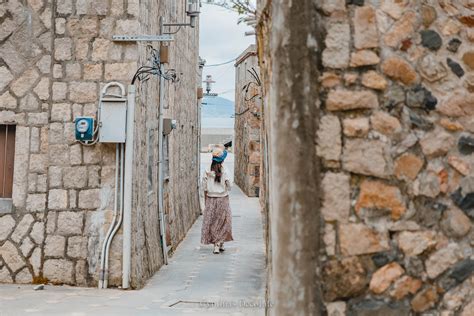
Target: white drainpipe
(127, 196)
(160, 168)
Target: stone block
(42, 89)
(384, 277)
(76, 154)
(399, 69)
(64, 6)
(59, 91)
(75, 177)
(442, 259)
(376, 195)
(41, 183)
(83, 92)
(364, 58)
(11, 257)
(38, 163)
(91, 155)
(89, 199)
(371, 79)
(425, 299)
(356, 127)
(77, 247)
(25, 82)
(100, 49)
(93, 71)
(384, 123)
(329, 143)
(365, 28)
(120, 71)
(336, 197)
(26, 246)
(57, 199)
(37, 233)
(61, 112)
(44, 64)
(24, 276)
(367, 157)
(343, 278)
(436, 143)
(358, 239)
(127, 27)
(54, 246)
(336, 53)
(5, 77)
(57, 71)
(70, 223)
(407, 166)
(63, 49)
(343, 100)
(7, 223)
(7, 101)
(455, 223)
(415, 243)
(22, 228)
(401, 29)
(73, 71)
(38, 118)
(59, 271)
(56, 133)
(36, 202)
(29, 103)
(59, 154)
(5, 276)
(55, 176)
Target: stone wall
(396, 141)
(54, 58)
(248, 101)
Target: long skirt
(217, 223)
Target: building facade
(376, 218)
(55, 57)
(248, 102)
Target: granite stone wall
(55, 56)
(248, 102)
(395, 140)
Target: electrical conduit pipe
(127, 194)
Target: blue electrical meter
(84, 128)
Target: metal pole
(128, 186)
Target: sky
(221, 40)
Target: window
(7, 155)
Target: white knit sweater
(214, 188)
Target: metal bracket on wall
(143, 38)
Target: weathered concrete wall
(54, 58)
(248, 102)
(395, 143)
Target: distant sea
(217, 112)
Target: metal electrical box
(84, 127)
(112, 114)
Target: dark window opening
(7, 155)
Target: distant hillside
(217, 107)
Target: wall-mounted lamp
(192, 10)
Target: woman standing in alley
(217, 223)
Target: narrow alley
(195, 280)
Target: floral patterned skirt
(217, 223)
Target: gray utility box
(112, 114)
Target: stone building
(55, 57)
(248, 101)
(388, 87)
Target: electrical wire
(225, 63)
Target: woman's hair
(217, 168)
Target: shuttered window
(7, 155)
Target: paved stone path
(195, 282)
